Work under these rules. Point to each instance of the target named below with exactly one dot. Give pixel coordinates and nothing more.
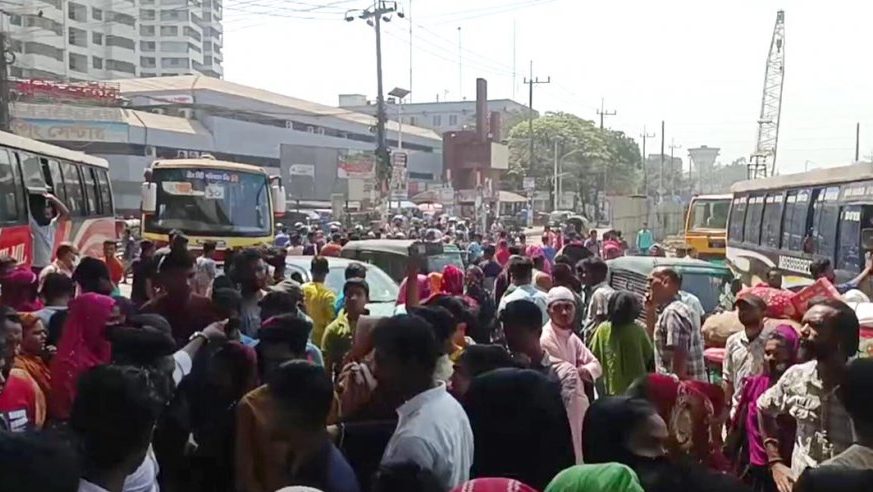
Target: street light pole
(555, 179)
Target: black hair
(114, 412)
(145, 244)
(304, 390)
(819, 266)
(624, 308)
(176, 260)
(845, 322)
(480, 359)
(89, 273)
(356, 282)
(56, 285)
(37, 461)
(608, 423)
(440, 320)
(674, 276)
(356, 270)
(226, 298)
(461, 310)
(595, 266)
(856, 388)
(65, 248)
(209, 246)
(287, 329)
(515, 250)
(562, 258)
(402, 477)
(239, 272)
(109, 242)
(142, 345)
(319, 264)
(489, 250)
(522, 313)
(277, 303)
(521, 269)
(408, 339)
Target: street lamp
(399, 93)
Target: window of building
(147, 61)
(77, 12)
(54, 3)
(174, 46)
(174, 15)
(120, 41)
(437, 121)
(97, 38)
(771, 225)
(97, 62)
(169, 31)
(146, 45)
(147, 14)
(193, 47)
(11, 200)
(175, 63)
(78, 37)
(146, 75)
(35, 48)
(146, 2)
(453, 119)
(207, 60)
(78, 62)
(147, 30)
(192, 33)
(120, 66)
(42, 22)
(96, 13)
(119, 18)
(15, 20)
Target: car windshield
(382, 287)
(706, 287)
(211, 202)
(436, 263)
(710, 214)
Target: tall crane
(763, 161)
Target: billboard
(356, 164)
(70, 131)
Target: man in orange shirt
(332, 248)
(116, 268)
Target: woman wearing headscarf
(689, 408)
(452, 281)
(502, 254)
(33, 356)
(82, 346)
(19, 291)
(606, 477)
(493, 485)
(745, 442)
(520, 426)
(474, 282)
(622, 345)
(562, 276)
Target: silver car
(383, 289)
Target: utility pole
(4, 85)
(645, 160)
(531, 82)
(661, 172)
(555, 179)
(380, 11)
(674, 146)
(460, 68)
(601, 112)
(857, 140)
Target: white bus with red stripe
(29, 169)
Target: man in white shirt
(432, 428)
(43, 225)
(521, 275)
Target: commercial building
(317, 149)
(80, 40)
(439, 116)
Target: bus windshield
(207, 202)
(709, 214)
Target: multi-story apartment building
(79, 40)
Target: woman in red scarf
(452, 282)
(19, 288)
(33, 356)
(82, 346)
(502, 254)
(692, 411)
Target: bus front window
(211, 202)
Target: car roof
(389, 245)
(332, 261)
(646, 264)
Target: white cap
(558, 294)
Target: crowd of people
(525, 372)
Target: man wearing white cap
(559, 340)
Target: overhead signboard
(164, 99)
(528, 184)
(65, 112)
(68, 131)
(399, 159)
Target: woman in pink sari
(82, 345)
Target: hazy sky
(697, 64)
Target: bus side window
(91, 193)
(752, 229)
(849, 255)
(826, 213)
(738, 214)
(73, 188)
(105, 191)
(771, 225)
(31, 170)
(57, 180)
(11, 194)
(795, 219)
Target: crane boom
(763, 160)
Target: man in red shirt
(186, 311)
(332, 248)
(116, 268)
(22, 404)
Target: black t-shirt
(143, 269)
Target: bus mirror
(149, 197)
(279, 202)
(867, 239)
